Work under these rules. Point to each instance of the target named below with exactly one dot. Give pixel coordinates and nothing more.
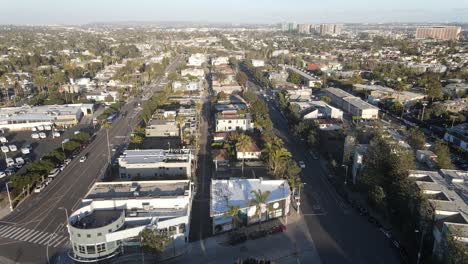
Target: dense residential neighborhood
(234, 143)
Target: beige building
(162, 128)
(439, 32)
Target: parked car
(42, 135)
(302, 164)
(9, 162)
(47, 128)
(56, 134)
(40, 128)
(62, 167)
(2, 174)
(5, 149)
(54, 173)
(13, 148)
(39, 188)
(26, 150)
(3, 140)
(35, 135)
(19, 160)
(67, 161)
(34, 129)
(10, 171)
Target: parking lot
(38, 147)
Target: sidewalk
(292, 246)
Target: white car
(54, 173)
(83, 159)
(42, 135)
(34, 129)
(26, 150)
(35, 135)
(13, 148)
(10, 162)
(19, 160)
(47, 128)
(3, 140)
(5, 149)
(39, 188)
(302, 164)
(56, 134)
(67, 161)
(40, 128)
(2, 174)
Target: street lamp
(298, 201)
(346, 173)
(9, 197)
(424, 104)
(420, 243)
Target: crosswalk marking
(32, 236)
(37, 239)
(4, 231)
(27, 235)
(12, 232)
(18, 234)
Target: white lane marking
(3, 228)
(6, 230)
(12, 229)
(60, 241)
(27, 235)
(46, 239)
(15, 231)
(39, 233)
(19, 234)
(39, 238)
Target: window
(110, 230)
(79, 235)
(182, 228)
(81, 249)
(88, 235)
(101, 248)
(99, 234)
(172, 230)
(91, 249)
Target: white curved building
(113, 214)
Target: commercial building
(230, 122)
(304, 28)
(26, 117)
(113, 214)
(331, 29)
(240, 192)
(439, 32)
(458, 135)
(162, 128)
(149, 163)
(376, 93)
(352, 105)
(318, 110)
(258, 63)
(447, 193)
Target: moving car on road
(84, 158)
(302, 164)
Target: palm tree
(232, 212)
(180, 122)
(295, 183)
(243, 144)
(276, 158)
(259, 201)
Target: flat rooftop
(98, 218)
(238, 192)
(359, 103)
(149, 189)
(140, 156)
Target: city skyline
(210, 11)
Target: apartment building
(230, 122)
(439, 32)
(113, 214)
(149, 163)
(352, 105)
(458, 135)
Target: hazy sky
(242, 11)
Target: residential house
(230, 122)
(252, 152)
(458, 136)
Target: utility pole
(346, 174)
(9, 197)
(424, 103)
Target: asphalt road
(340, 234)
(35, 232)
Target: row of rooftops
(349, 98)
(447, 191)
(43, 112)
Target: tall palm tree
(243, 144)
(232, 212)
(276, 159)
(295, 183)
(259, 201)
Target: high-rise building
(292, 26)
(331, 29)
(304, 28)
(439, 32)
